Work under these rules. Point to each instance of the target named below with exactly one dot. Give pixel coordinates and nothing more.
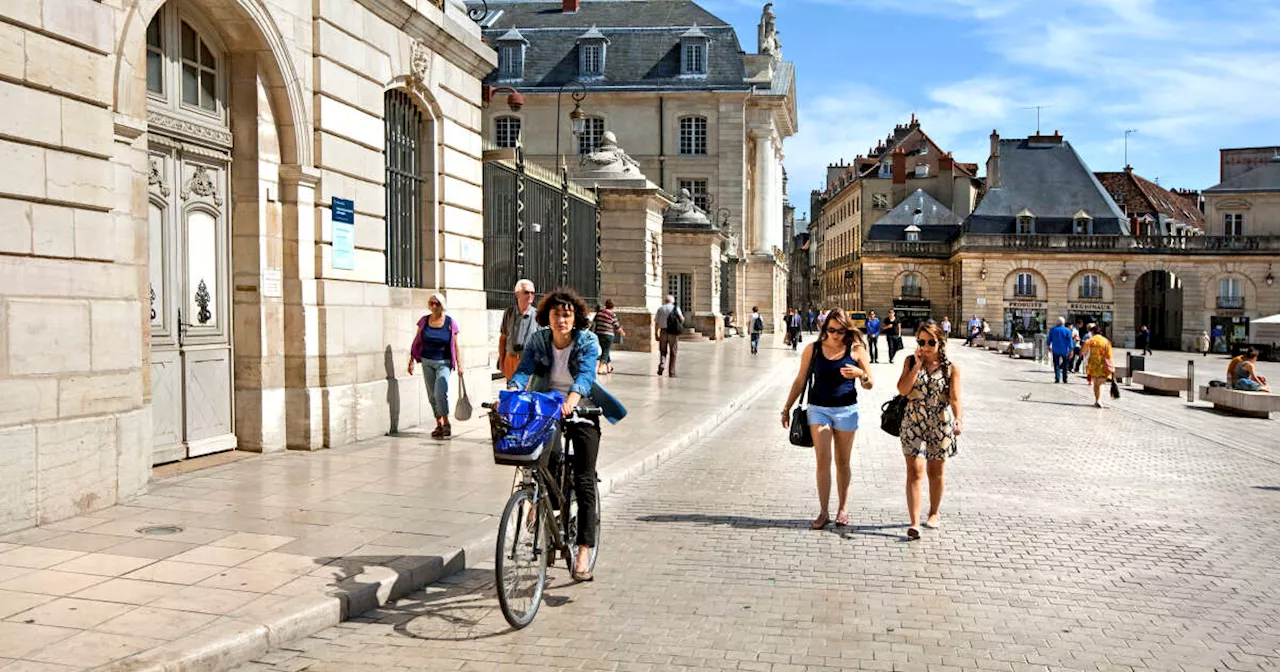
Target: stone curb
(232, 641)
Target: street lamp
(577, 118)
(515, 100)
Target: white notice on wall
(982, 300)
(272, 283)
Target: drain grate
(160, 530)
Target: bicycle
(532, 529)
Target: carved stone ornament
(154, 178)
(768, 33)
(610, 159)
(419, 64)
(185, 128)
(153, 302)
(731, 247)
(655, 256)
(684, 212)
(201, 184)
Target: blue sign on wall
(342, 212)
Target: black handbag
(892, 413)
(800, 434)
(1115, 389)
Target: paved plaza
(1073, 539)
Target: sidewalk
(260, 551)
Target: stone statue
(685, 212)
(610, 158)
(768, 32)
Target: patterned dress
(927, 426)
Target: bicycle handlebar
(580, 412)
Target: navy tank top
(829, 387)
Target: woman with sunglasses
(435, 345)
(839, 361)
(932, 421)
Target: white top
(561, 378)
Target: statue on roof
(609, 158)
(768, 33)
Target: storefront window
(1025, 321)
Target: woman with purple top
(435, 345)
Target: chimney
(570, 6)
(946, 162)
(899, 166)
(993, 162)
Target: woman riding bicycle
(563, 357)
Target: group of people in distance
(836, 365)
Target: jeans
(1061, 367)
(606, 348)
(585, 439)
(755, 342)
(895, 344)
(873, 347)
(436, 374)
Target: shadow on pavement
(741, 522)
(873, 531)
(1271, 488)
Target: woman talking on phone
(932, 421)
(837, 361)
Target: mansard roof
(1265, 177)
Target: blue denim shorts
(839, 418)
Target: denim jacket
(534, 372)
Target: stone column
(304, 411)
(764, 194)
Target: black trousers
(585, 439)
(873, 347)
(895, 344)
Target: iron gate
(538, 225)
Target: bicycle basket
(521, 425)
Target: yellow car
(859, 319)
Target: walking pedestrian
(757, 328)
(518, 323)
(892, 328)
(834, 364)
(563, 357)
(668, 324)
(1099, 365)
(1061, 345)
(435, 346)
(1202, 343)
(606, 326)
(1077, 340)
(811, 319)
(873, 337)
(946, 327)
(1218, 342)
(1144, 340)
(933, 419)
(794, 328)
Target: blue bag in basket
(529, 419)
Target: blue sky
(1192, 76)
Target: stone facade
(135, 187)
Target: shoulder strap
(808, 375)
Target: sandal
(913, 533)
(819, 522)
(581, 577)
(842, 520)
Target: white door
(190, 313)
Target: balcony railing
(1097, 243)
(906, 249)
(911, 293)
(1231, 302)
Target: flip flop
(913, 533)
(819, 523)
(582, 577)
(842, 520)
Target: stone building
(675, 86)
(1048, 239)
(857, 195)
(221, 223)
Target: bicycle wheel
(572, 535)
(520, 567)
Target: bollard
(1191, 381)
(1128, 367)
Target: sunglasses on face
(833, 330)
(434, 303)
(930, 343)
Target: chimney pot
(571, 5)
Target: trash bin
(1137, 363)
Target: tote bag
(800, 434)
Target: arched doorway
(1158, 305)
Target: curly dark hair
(563, 297)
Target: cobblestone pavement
(1073, 539)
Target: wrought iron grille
(404, 190)
(537, 227)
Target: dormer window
(913, 234)
(922, 170)
(886, 169)
(1082, 223)
(693, 52)
(511, 55)
(1026, 222)
(591, 53)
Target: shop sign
(1089, 307)
(1025, 305)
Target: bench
(1023, 351)
(1159, 383)
(1239, 402)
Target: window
(591, 59)
(911, 286)
(913, 234)
(1229, 294)
(693, 136)
(922, 170)
(511, 61)
(1026, 222)
(506, 131)
(592, 133)
(1233, 224)
(199, 71)
(695, 59)
(405, 185)
(886, 169)
(1090, 287)
(155, 56)
(880, 201)
(697, 189)
(1026, 285)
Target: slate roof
(935, 213)
(1265, 177)
(1053, 182)
(644, 44)
(1140, 196)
